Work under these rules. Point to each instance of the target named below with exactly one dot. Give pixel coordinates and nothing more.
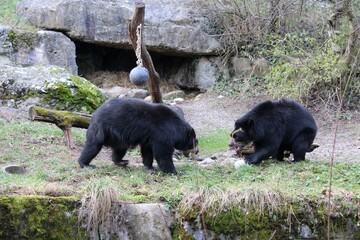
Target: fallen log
(63, 119)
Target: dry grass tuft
(216, 200)
(107, 80)
(96, 208)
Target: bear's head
(243, 130)
(191, 145)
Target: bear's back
(125, 111)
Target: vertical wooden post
(153, 83)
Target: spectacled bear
(276, 127)
(124, 123)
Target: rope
(138, 47)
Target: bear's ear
(191, 133)
(250, 123)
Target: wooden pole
(153, 83)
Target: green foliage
(304, 70)
(240, 86)
(304, 65)
(8, 13)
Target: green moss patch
(36, 217)
(74, 94)
(55, 87)
(265, 214)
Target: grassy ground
(53, 170)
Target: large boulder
(169, 26)
(201, 73)
(29, 48)
(47, 86)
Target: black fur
(276, 126)
(124, 123)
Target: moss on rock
(294, 218)
(20, 39)
(74, 93)
(55, 88)
(39, 217)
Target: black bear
(124, 123)
(276, 127)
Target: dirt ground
(209, 112)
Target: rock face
(27, 48)
(143, 221)
(166, 29)
(185, 54)
(47, 86)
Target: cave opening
(91, 59)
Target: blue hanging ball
(139, 75)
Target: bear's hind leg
(93, 145)
(117, 156)
(300, 146)
(90, 151)
(147, 157)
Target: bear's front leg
(117, 156)
(258, 156)
(165, 162)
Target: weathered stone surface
(29, 48)
(245, 67)
(169, 27)
(174, 94)
(118, 91)
(242, 66)
(201, 73)
(51, 87)
(137, 93)
(145, 221)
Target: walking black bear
(124, 123)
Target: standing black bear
(123, 123)
(275, 127)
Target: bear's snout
(236, 132)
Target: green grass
(214, 142)
(53, 170)
(8, 13)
